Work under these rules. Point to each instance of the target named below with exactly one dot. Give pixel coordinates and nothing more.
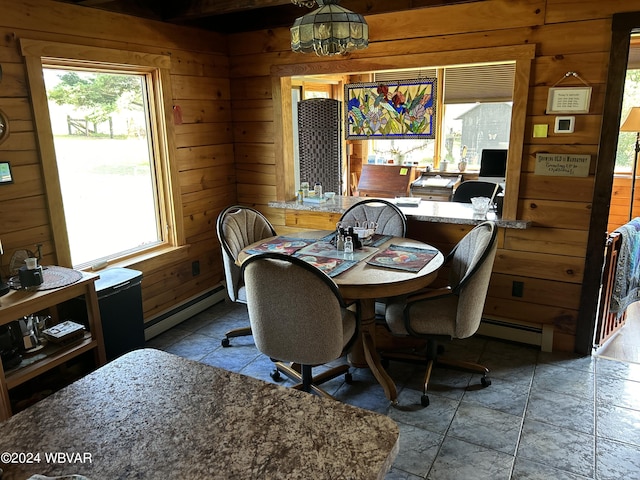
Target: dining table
(365, 281)
(150, 414)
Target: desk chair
(475, 188)
(390, 219)
(450, 312)
(298, 315)
(238, 227)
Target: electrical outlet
(195, 268)
(517, 289)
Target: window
(475, 114)
(627, 140)
(104, 153)
(104, 144)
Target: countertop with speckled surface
(150, 414)
(426, 211)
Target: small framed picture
(569, 100)
(5, 173)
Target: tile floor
(546, 416)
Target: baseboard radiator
(187, 309)
(539, 335)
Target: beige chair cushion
(458, 314)
(390, 220)
(237, 228)
(295, 316)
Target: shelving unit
(19, 303)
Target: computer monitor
(493, 166)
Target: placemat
(330, 266)
(411, 259)
(53, 277)
(325, 249)
(286, 245)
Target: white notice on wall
(562, 165)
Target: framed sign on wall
(569, 100)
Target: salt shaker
(340, 243)
(348, 245)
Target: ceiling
(230, 16)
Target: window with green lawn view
(105, 147)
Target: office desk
(153, 415)
(366, 283)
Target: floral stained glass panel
(403, 109)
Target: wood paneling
(202, 153)
(549, 257)
(230, 117)
(620, 201)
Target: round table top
(364, 281)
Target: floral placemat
(326, 249)
(411, 259)
(375, 241)
(330, 266)
(286, 245)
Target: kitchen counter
(426, 211)
(150, 414)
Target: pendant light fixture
(329, 30)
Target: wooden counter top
(150, 414)
(426, 211)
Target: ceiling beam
(207, 8)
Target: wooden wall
(204, 142)
(226, 148)
(570, 35)
(620, 201)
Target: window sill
(150, 260)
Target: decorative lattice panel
(320, 142)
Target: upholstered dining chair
(454, 311)
(475, 188)
(298, 315)
(390, 219)
(238, 227)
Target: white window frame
(42, 54)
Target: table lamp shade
(632, 122)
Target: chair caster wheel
(348, 378)
(424, 400)
(275, 375)
(485, 381)
(225, 342)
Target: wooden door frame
(622, 26)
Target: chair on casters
(454, 311)
(237, 227)
(298, 315)
(475, 188)
(390, 219)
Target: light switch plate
(564, 125)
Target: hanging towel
(626, 289)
